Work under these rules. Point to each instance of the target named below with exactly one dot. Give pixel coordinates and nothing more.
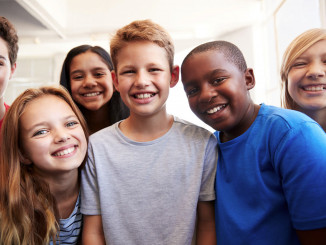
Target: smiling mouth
(144, 96)
(64, 152)
(314, 88)
(215, 109)
(91, 94)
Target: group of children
(152, 178)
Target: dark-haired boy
(8, 56)
(271, 171)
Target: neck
(246, 121)
(2, 108)
(65, 189)
(97, 120)
(142, 129)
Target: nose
(207, 93)
(316, 70)
(142, 79)
(89, 82)
(61, 135)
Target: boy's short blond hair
(142, 30)
(296, 48)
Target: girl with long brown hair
(43, 145)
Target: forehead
(144, 51)
(200, 64)
(3, 48)
(318, 47)
(46, 106)
(87, 59)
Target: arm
(205, 223)
(93, 230)
(312, 237)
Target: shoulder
(190, 129)
(105, 133)
(280, 117)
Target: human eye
(129, 71)
(191, 92)
(217, 81)
(71, 124)
(99, 74)
(154, 69)
(40, 132)
(299, 64)
(77, 77)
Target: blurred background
(262, 29)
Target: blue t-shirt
(271, 180)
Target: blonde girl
(303, 74)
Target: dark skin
(218, 93)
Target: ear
(13, 68)
(174, 76)
(115, 80)
(250, 78)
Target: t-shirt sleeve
(207, 190)
(90, 204)
(300, 160)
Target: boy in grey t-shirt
(148, 176)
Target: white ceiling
(51, 26)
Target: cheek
(74, 87)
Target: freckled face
(91, 81)
(216, 90)
(307, 79)
(52, 137)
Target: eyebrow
(94, 69)
(2, 57)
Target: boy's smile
(218, 91)
(143, 77)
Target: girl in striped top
(43, 146)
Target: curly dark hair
(9, 35)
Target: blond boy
(148, 175)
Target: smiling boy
(8, 56)
(271, 171)
(148, 175)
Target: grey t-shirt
(147, 192)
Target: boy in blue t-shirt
(271, 171)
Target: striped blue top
(70, 228)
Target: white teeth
(143, 96)
(91, 94)
(64, 152)
(314, 88)
(215, 109)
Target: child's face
(91, 81)
(217, 90)
(143, 77)
(307, 78)
(52, 137)
(6, 70)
